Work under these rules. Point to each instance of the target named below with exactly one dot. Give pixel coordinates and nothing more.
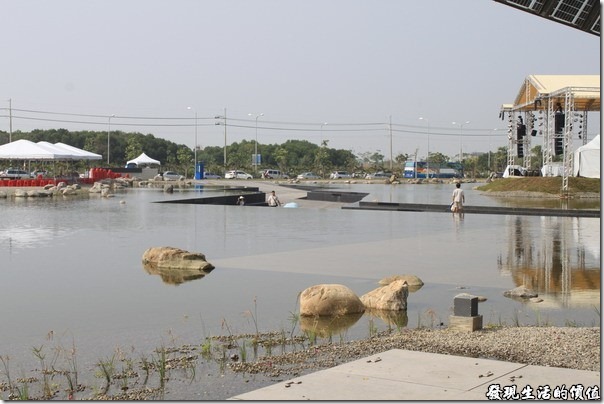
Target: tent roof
(23, 149)
(593, 144)
(80, 153)
(585, 90)
(61, 154)
(143, 159)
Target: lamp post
(256, 142)
(109, 137)
(461, 125)
(489, 159)
(195, 146)
(323, 124)
(225, 137)
(427, 158)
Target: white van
(274, 175)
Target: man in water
(458, 199)
(273, 201)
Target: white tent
(26, 150)
(61, 154)
(143, 159)
(80, 153)
(586, 160)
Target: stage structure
(554, 107)
(580, 14)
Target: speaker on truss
(521, 130)
(558, 123)
(559, 145)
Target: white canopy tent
(61, 154)
(586, 160)
(26, 150)
(23, 149)
(81, 153)
(143, 159)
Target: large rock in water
(521, 291)
(414, 282)
(175, 258)
(392, 296)
(329, 300)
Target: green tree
(437, 158)
(134, 147)
(322, 159)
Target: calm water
(73, 266)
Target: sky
(357, 73)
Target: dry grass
(548, 185)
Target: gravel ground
(566, 347)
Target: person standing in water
(458, 199)
(273, 200)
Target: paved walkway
(410, 375)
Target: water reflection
(548, 261)
(396, 318)
(326, 326)
(175, 276)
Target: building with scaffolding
(555, 108)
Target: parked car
(211, 176)
(172, 176)
(240, 175)
(308, 176)
(339, 174)
(14, 174)
(274, 175)
(36, 173)
(378, 175)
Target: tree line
(292, 156)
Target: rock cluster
(338, 300)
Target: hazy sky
(352, 64)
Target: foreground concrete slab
(410, 375)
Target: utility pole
(10, 121)
(390, 126)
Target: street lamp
(427, 158)
(461, 125)
(489, 160)
(109, 137)
(225, 137)
(323, 124)
(256, 143)
(195, 147)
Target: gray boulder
(520, 291)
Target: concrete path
(409, 375)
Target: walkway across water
(490, 210)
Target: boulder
(413, 281)
(329, 300)
(392, 296)
(175, 258)
(169, 189)
(521, 291)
